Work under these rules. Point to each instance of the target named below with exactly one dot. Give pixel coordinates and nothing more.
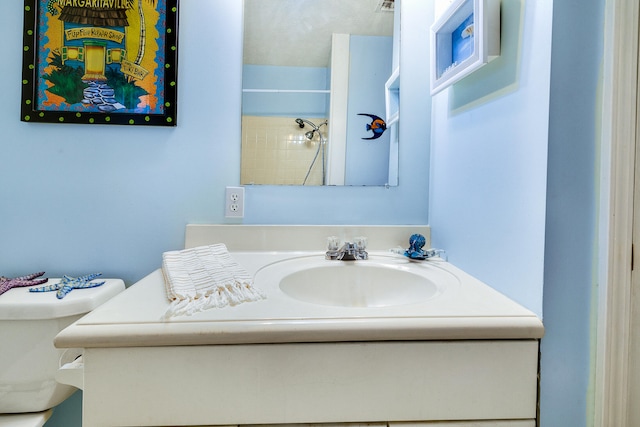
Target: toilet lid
(36, 419)
(20, 304)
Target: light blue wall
(570, 250)
(489, 159)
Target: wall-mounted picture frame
(464, 38)
(100, 62)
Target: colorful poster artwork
(100, 61)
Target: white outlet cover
(234, 202)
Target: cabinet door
(317, 383)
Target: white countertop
(469, 310)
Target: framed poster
(100, 62)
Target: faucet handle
(361, 242)
(441, 253)
(333, 243)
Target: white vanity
(461, 352)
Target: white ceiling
(298, 32)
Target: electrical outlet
(234, 202)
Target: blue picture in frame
(462, 41)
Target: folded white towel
(205, 277)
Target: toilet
(29, 362)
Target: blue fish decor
(377, 125)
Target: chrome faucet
(349, 251)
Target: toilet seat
(34, 419)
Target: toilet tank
(29, 321)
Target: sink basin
(358, 284)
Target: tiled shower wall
(276, 151)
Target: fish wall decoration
(377, 125)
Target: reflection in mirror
(315, 104)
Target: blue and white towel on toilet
(205, 277)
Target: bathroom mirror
(316, 79)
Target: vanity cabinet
(465, 357)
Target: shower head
(301, 123)
(309, 134)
